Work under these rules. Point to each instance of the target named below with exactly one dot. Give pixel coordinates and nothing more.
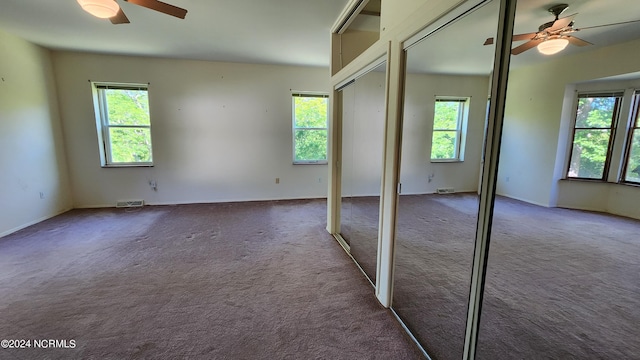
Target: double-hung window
(310, 128)
(593, 132)
(124, 124)
(632, 160)
(449, 121)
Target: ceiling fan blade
(120, 18)
(561, 23)
(519, 37)
(597, 26)
(522, 37)
(577, 41)
(161, 7)
(526, 46)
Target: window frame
(103, 126)
(463, 113)
(313, 94)
(634, 126)
(612, 132)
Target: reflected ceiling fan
(553, 36)
(109, 9)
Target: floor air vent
(129, 203)
(445, 191)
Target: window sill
(435, 161)
(636, 185)
(588, 180)
(598, 181)
(126, 165)
(319, 162)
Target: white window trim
(633, 125)
(102, 127)
(293, 127)
(615, 159)
(461, 129)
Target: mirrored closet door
(563, 283)
(363, 124)
(444, 116)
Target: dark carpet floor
(561, 284)
(258, 280)
(359, 218)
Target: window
(449, 121)
(124, 124)
(596, 116)
(632, 163)
(310, 128)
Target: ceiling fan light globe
(100, 8)
(552, 46)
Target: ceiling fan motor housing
(556, 10)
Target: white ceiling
(458, 48)
(293, 32)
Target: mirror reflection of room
(562, 275)
(525, 248)
(363, 114)
(445, 108)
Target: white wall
(608, 196)
(363, 117)
(31, 147)
(220, 131)
(418, 174)
(533, 114)
(394, 13)
(599, 196)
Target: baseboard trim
(525, 200)
(223, 201)
(26, 225)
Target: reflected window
(448, 122)
(595, 121)
(632, 162)
(310, 128)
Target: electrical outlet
(277, 180)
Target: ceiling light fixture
(100, 8)
(552, 46)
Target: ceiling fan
(110, 9)
(553, 36)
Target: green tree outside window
(310, 128)
(595, 117)
(128, 124)
(447, 123)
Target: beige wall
(220, 131)
(32, 157)
(350, 45)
